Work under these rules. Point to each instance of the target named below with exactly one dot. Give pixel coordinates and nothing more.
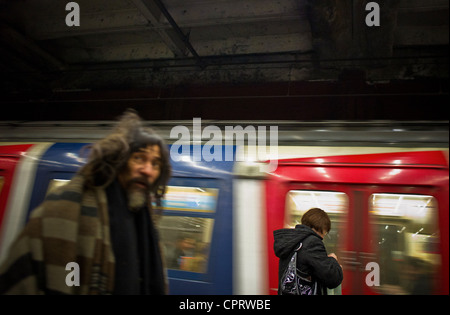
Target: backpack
(295, 282)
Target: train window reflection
(335, 204)
(186, 242)
(186, 227)
(406, 238)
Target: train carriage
(388, 204)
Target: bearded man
(101, 220)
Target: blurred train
(385, 186)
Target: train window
(334, 203)
(186, 227)
(406, 238)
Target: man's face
(143, 169)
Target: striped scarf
(71, 225)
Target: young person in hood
(312, 258)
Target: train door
(387, 213)
(287, 202)
(196, 227)
(335, 202)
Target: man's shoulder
(67, 200)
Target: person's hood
(287, 240)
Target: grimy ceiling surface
(139, 44)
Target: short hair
(109, 156)
(317, 219)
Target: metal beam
(177, 41)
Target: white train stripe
(249, 238)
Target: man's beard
(138, 197)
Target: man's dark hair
(109, 156)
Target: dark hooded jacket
(312, 258)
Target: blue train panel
(201, 190)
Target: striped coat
(71, 225)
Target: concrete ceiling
(157, 43)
